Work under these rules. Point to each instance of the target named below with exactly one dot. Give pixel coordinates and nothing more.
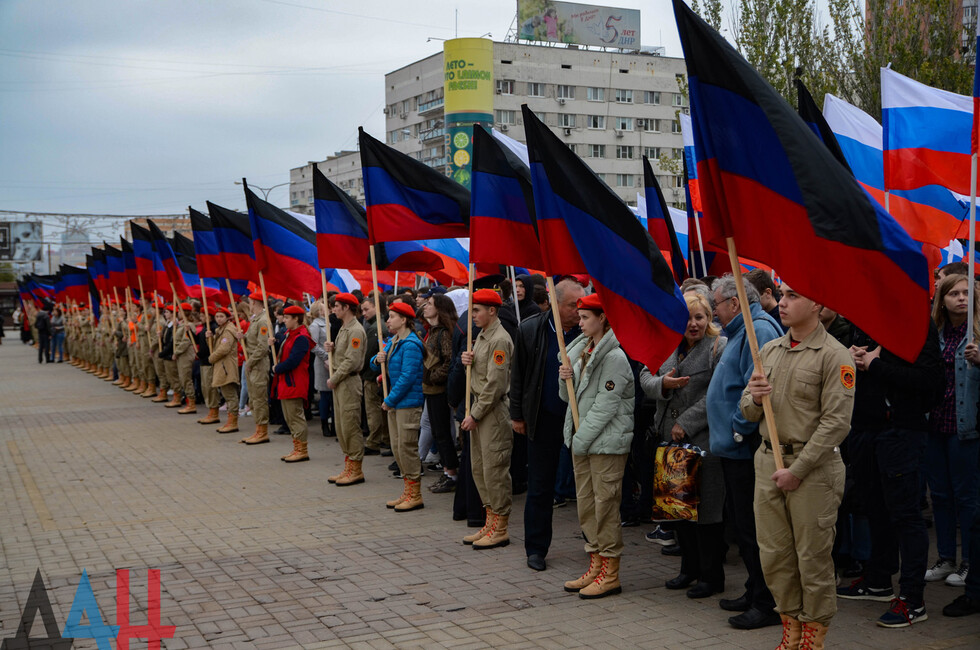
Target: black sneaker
(386, 451)
(962, 606)
(444, 485)
(672, 550)
(393, 467)
(371, 452)
(435, 467)
(901, 614)
(859, 590)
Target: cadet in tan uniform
(491, 435)
(224, 365)
(156, 348)
(120, 335)
(810, 378)
(184, 354)
(144, 353)
(345, 382)
(256, 344)
(169, 356)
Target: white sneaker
(958, 577)
(431, 457)
(940, 570)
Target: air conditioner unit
(619, 133)
(504, 127)
(498, 91)
(568, 131)
(404, 116)
(384, 110)
(561, 100)
(641, 124)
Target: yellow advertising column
(469, 94)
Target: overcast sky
(148, 106)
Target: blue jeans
(243, 398)
(58, 345)
(952, 465)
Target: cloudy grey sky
(148, 106)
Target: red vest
(294, 384)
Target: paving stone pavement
(255, 553)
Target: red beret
(256, 295)
(186, 306)
(294, 310)
(347, 298)
(487, 297)
(590, 301)
(221, 310)
(404, 309)
(169, 308)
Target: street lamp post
(265, 190)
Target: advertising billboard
(20, 241)
(469, 90)
(579, 24)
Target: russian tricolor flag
(341, 226)
(925, 135)
(408, 200)
(690, 162)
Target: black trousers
(543, 453)
(467, 503)
(439, 419)
(702, 551)
(43, 347)
(886, 467)
(740, 512)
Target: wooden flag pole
(156, 305)
(265, 301)
(326, 319)
(513, 286)
(697, 228)
(183, 316)
(234, 312)
(115, 292)
(377, 318)
(207, 316)
(556, 317)
(743, 300)
(469, 336)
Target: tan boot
(606, 583)
(175, 401)
(469, 539)
(132, 385)
(353, 476)
(399, 500)
(343, 472)
(792, 631)
(137, 387)
(150, 391)
(161, 397)
(211, 418)
(496, 536)
(107, 374)
(261, 435)
(191, 407)
(595, 564)
(414, 499)
(299, 453)
(812, 636)
(231, 426)
(122, 381)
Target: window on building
(653, 125)
(566, 66)
(566, 120)
(624, 180)
(573, 147)
(678, 99)
(506, 117)
(597, 121)
(653, 153)
(624, 152)
(566, 92)
(651, 97)
(675, 126)
(294, 195)
(624, 123)
(595, 94)
(534, 89)
(505, 87)
(624, 96)
(597, 151)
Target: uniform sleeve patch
(610, 385)
(499, 356)
(355, 343)
(264, 331)
(847, 377)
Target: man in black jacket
(537, 412)
(886, 443)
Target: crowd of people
(823, 494)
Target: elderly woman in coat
(321, 373)
(603, 384)
(224, 365)
(680, 387)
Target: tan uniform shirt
(812, 396)
(257, 338)
(493, 352)
(348, 351)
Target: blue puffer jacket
(404, 371)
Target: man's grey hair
(568, 285)
(725, 285)
(704, 291)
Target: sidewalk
(255, 553)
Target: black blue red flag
(631, 276)
(164, 250)
(148, 263)
(341, 226)
(233, 235)
(769, 183)
(659, 223)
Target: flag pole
(377, 318)
(743, 300)
(265, 302)
(207, 316)
(234, 312)
(183, 316)
(972, 251)
(469, 336)
(697, 228)
(326, 318)
(513, 287)
(560, 333)
(156, 305)
(396, 283)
